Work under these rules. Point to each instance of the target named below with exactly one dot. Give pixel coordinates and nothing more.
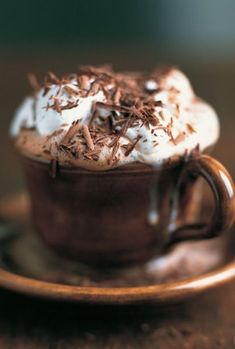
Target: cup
(128, 214)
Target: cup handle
(222, 187)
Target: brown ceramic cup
(128, 214)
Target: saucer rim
(160, 293)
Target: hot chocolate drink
(112, 159)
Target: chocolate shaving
(117, 96)
(33, 81)
(52, 78)
(163, 114)
(46, 90)
(179, 138)
(87, 136)
(71, 91)
(196, 151)
(115, 143)
(95, 87)
(73, 130)
(69, 105)
(83, 81)
(132, 146)
(190, 128)
(168, 130)
(114, 152)
(56, 106)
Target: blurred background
(198, 36)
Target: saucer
(27, 266)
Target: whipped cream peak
(101, 119)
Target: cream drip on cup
(98, 119)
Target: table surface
(207, 321)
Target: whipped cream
(175, 121)
(47, 120)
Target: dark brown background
(197, 36)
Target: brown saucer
(28, 267)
